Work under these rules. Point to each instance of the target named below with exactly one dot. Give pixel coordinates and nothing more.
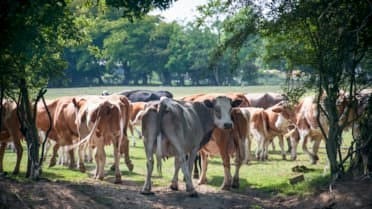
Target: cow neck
(206, 118)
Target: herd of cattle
(202, 124)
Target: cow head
(222, 106)
(286, 115)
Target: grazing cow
(180, 129)
(265, 100)
(100, 122)
(143, 95)
(10, 132)
(222, 143)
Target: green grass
(271, 176)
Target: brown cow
(307, 128)
(10, 132)
(221, 143)
(102, 121)
(137, 110)
(264, 125)
(63, 128)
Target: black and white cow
(180, 129)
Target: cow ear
(236, 103)
(209, 103)
(277, 109)
(79, 103)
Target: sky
(181, 11)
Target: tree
(33, 35)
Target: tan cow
(102, 121)
(221, 143)
(264, 125)
(307, 128)
(10, 132)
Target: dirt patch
(95, 194)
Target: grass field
(271, 176)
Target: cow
(63, 128)
(307, 128)
(102, 121)
(265, 100)
(264, 125)
(10, 132)
(143, 95)
(180, 129)
(222, 143)
(135, 119)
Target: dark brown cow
(222, 143)
(10, 132)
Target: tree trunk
(167, 78)
(127, 75)
(144, 79)
(28, 128)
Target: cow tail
(162, 110)
(87, 138)
(265, 120)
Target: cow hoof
(204, 181)
(52, 163)
(118, 181)
(82, 168)
(174, 187)
(112, 168)
(225, 187)
(284, 157)
(130, 167)
(193, 194)
(147, 192)
(195, 176)
(100, 178)
(293, 158)
(235, 184)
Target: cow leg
(125, 149)
(304, 148)
(149, 143)
(19, 150)
(2, 151)
(294, 144)
(117, 162)
(72, 164)
(315, 149)
(227, 173)
(174, 184)
(186, 173)
(281, 144)
(204, 168)
(100, 160)
(264, 153)
(197, 165)
(81, 153)
(247, 147)
(53, 159)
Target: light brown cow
(63, 128)
(307, 128)
(264, 125)
(265, 100)
(102, 121)
(135, 119)
(221, 143)
(10, 132)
